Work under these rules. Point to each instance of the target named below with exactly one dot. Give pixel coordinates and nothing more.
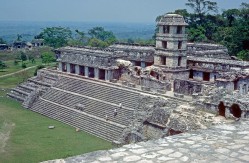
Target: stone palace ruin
(129, 93)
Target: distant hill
(10, 29)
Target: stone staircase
(24, 91)
(92, 106)
(90, 123)
(96, 90)
(98, 102)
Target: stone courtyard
(226, 143)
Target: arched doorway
(222, 109)
(236, 111)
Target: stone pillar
(68, 67)
(227, 112)
(110, 74)
(86, 71)
(96, 73)
(241, 91)
(77, 69)
(106, 75)
(60, 66)
(143, 65)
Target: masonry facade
(171, 65)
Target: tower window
(163, 59)
(179, 61)
(166, 29)
(164, 44)
(179, 30)
(179, 44)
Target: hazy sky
(94, 10)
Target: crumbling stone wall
(157, 117)
(186, 87)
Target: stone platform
(222, 143)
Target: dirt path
(17, 72)
(5, 134)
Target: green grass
(13, 68)
(13, 80)
(30, 139)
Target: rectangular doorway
(101, 74)
(90, 72)
(206, 76)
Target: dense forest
(206, 24)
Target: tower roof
(172, 19)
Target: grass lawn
(25, 137)
(13, 68)
(13, 80)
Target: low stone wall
(186, 87)
(155, 84)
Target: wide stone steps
(91, 124)
(16, 96)
(26, 87)
(102, 92)
(22, 91)
(91, 106)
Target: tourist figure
(120, 105)
(115, 112)
(106, 117)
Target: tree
(94, 42)
(2, 41)
(81, 34)
(101, 34)
(55, 36)
(2, 65)
(245, 11)
(231, 15)
(197, 34)
(48, 57)
(130, 41)
(19, 37)
(202, 7)
(244, 55)
(79, 40)
(31, 58)
(23, 57)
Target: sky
(95, 10)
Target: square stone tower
(171, 47)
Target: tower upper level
(171, 41)
(172, 34)
(172, 19)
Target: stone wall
(136, 52)
(207, 50)
(186, 87)
(88, 60)
(155, 84)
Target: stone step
(17, 97)
(20, 91)
(93, 107)
(127, 98)
(95, 126)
